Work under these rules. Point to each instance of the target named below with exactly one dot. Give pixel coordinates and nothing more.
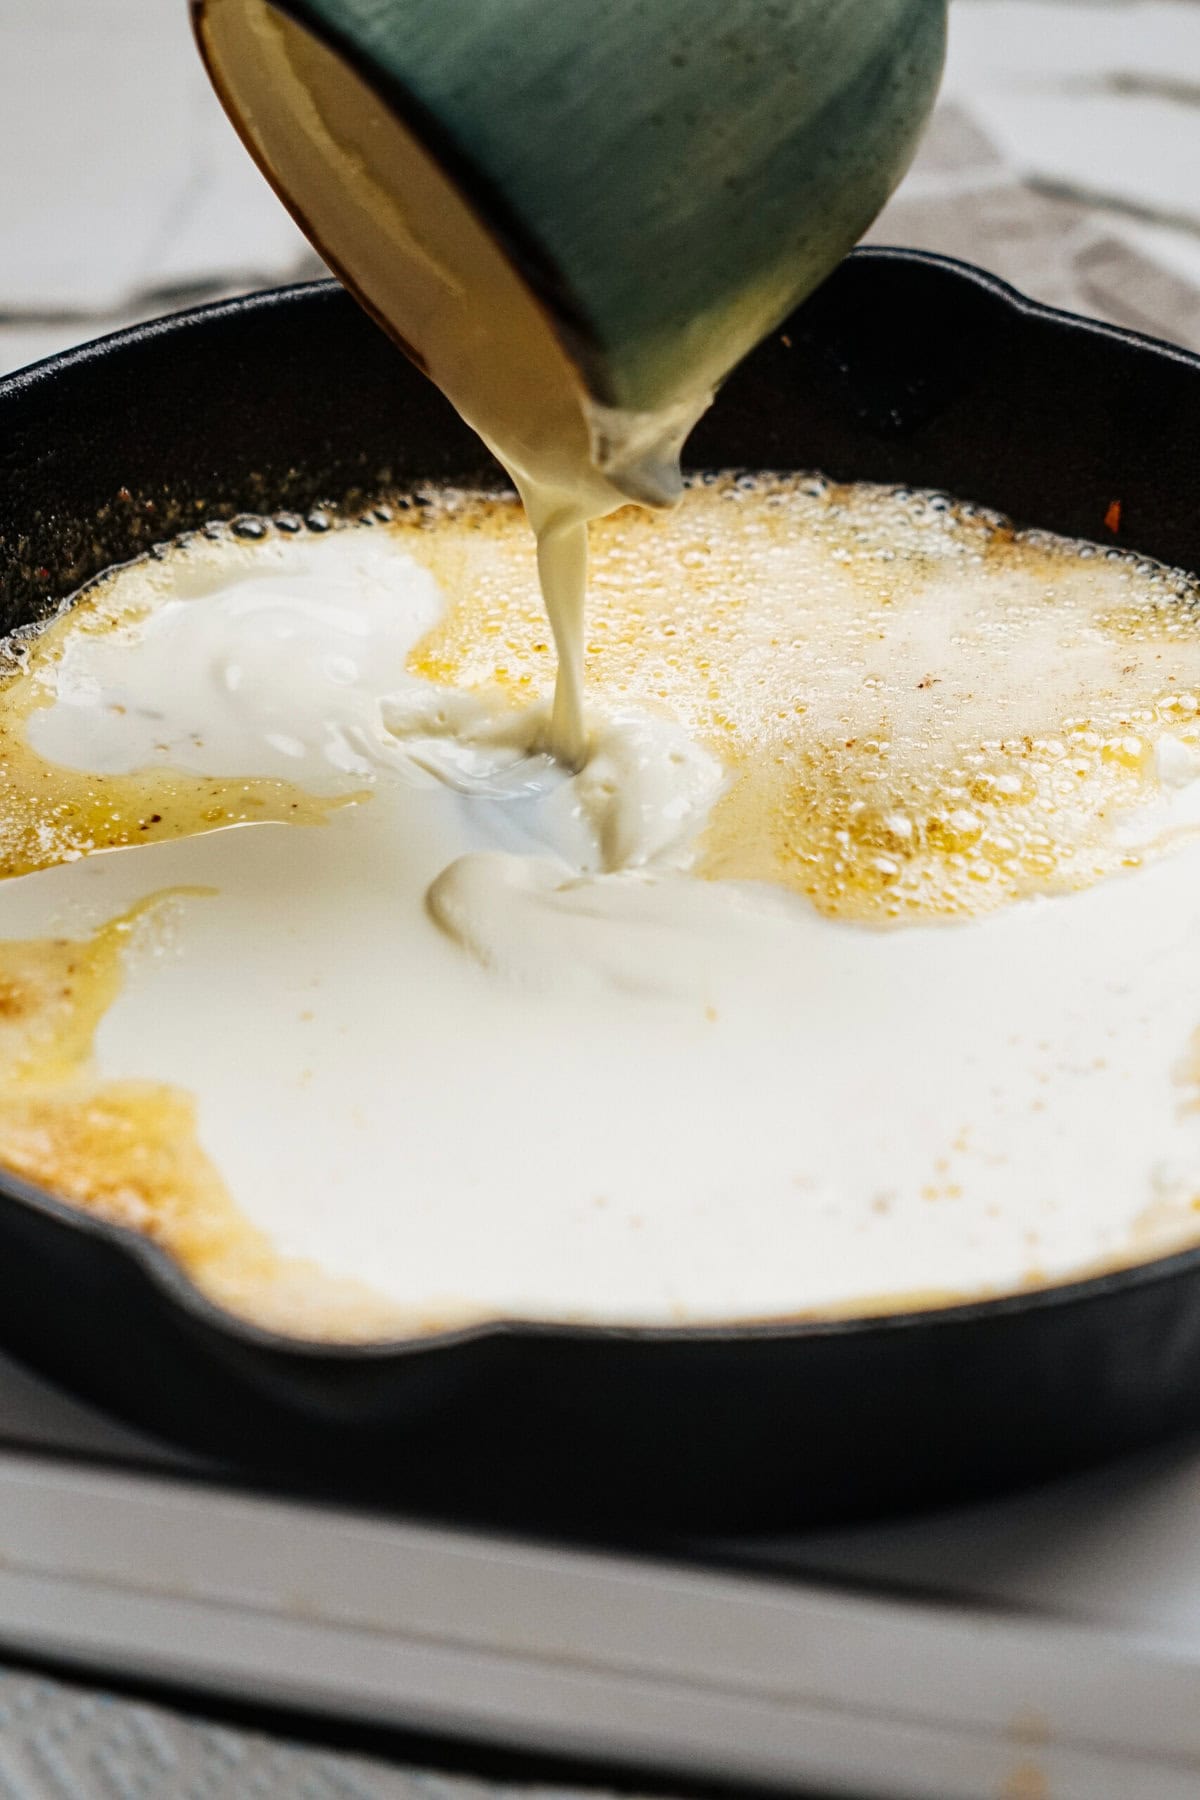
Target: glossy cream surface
(858, 967)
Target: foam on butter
(660, 1041)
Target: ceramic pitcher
(664, 179)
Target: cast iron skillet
(904, 368)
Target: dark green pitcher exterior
(668, 177)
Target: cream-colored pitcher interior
(409, 245)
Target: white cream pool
(481, 1042)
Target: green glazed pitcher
(578, 215)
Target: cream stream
(411, 247)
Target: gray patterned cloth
(61, 1742)
(1065, 156)
(963, 199)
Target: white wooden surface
(1042, 1645)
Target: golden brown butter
(924, 714)
(128, 1151)
(50, 814)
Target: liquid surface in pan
(858, 969)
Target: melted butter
(50, 814)
(923, 715)
(53, 994)
(785, 1115)
(128, 1151)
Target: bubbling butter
(855, 969)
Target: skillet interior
(904, 368)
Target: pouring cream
(421, 262)
(478, 1045)
(570, 1017)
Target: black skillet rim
(171, 1280)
